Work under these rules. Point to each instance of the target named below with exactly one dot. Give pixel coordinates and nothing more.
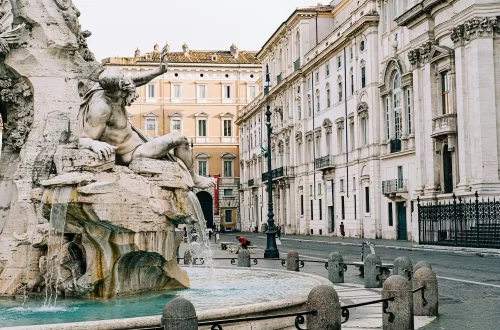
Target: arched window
(396, 98)
(328, 97)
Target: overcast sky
(119, 26)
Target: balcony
(324, 163)
(296, 65)
(395, 145)
(444, 125)
(285, 171)
(251, 183)
(279, 78)
(394, 186)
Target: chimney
(157, 48)
(235, 52)
(137, 52)
(185, 49)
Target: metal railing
(299, 319)
(385, 305)
(251, 183)
(296, 65)
(279, 78)
(279, 173)
(394, 186)
(324, 162)
(472, 223)
(395, 145)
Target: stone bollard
(421, 264)
(325, 300)
(292, 261)
(403, 267)
(244, 258)
(401, 308)
(179, 314)
(429, 305)
(372, 272)
(188, 257)
(336, 268)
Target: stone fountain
(87, 208)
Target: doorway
(447, 170)
(207, 206)
(401, 213)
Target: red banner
(216, 195)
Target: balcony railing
(443, 125)
(394, 186)
(324, 162)
(279, 173)
(251, 183)
(279, 78)
(395, 145)
(296, 65)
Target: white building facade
(374, 104)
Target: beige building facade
(199, 97)
(375, 104)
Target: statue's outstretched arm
(143, 78)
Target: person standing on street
(278, 231)
(342, 230)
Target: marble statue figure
(105, 129)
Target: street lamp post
(271, 247)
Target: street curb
(452, 250)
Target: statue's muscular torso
(118, 130)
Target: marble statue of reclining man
(104, 128)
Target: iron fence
(457, 222)
(395, 145)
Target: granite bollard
(179, 314)
(421, 264)
(244, 258)
(292, 261)
(188, 257)
(325, 300)
(397, 314)
(372, 271)
(426, 303)
(336, 267)
(403, 267)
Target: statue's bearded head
(118, 84)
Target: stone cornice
(477, 27)
(418, 11)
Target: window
(340, 91)
(319, 189)
(328, 143)
(362, 45)
(177, 92)
(228, 127)
(342, 207)
(387, 121)
(228, 192)
(445, 91)
(397, 106)
(251, 92)
(363, 77)
(367, 199)
(308, 83)
(309, 105)
(328, 100)
(176, 125)
(327, 69)
(310, 190)
(408, 109)
(228, 216)
(317, 77)
(202, 127)
(395, 8)
(228, 168)
(151, 91)
(301, 204)
(355, 208)
(400, 177)
(318, 101)
(339, 62)
(202, 167)
(227, 92)
(320, 210)
(341, 185)
(202, 91)
(389, 212)
(354, 184)
(352, 83)
(351, 53)
(312, 210)
(151, 124)
(364, 128)
(299, 111)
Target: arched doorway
(207, 205)
(447, 170)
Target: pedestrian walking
(209, 234)
(278, 231)
(342, 230)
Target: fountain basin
(231, 292)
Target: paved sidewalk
(382, 243)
